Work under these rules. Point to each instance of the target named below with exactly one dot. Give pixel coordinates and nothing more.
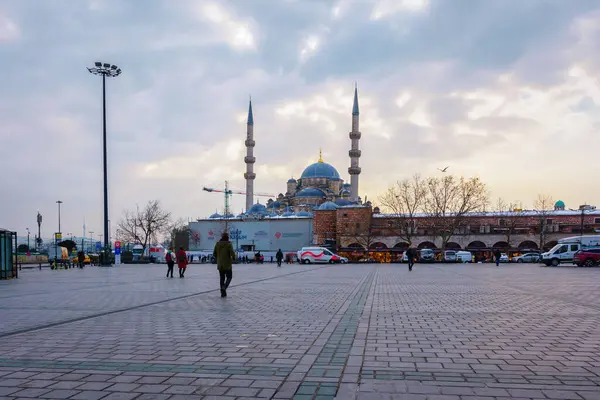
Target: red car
(587, 257)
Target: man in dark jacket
(225, 256)
(410, 255)
(497, 255)
(279, 257)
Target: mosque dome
(215, 216)
(559, 205)
(258, 209)
(310, 192)
(274, 204)
(346, 185)
(292, 180)
(342, 202)
(328, 205)
(320, 170)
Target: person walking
(225, 255)
(279, 257)
(181, 261)
(169, 258)
(497, 255)
(410, 255)
(81, 258)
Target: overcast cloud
(504, 89)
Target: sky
(506, 90)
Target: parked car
(343, 260)
(426, 255)
(503, 258)
(528, 258)
(450, 256)
(589, 257)
(464, 256)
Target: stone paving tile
(368, 331)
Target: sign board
(117, 258)
(98, 245)
(117, 251)
(58, 236)
(117, 245)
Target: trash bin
(8, 254)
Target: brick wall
(324, 226)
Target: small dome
(215, 216)
(274, 204)
(342, 202)
(328, 205)
(292, 180)
(310, 192)
(559, 204)
(304, 214)
(287, 214)
(257, 209)
(320, 170)
(346, 185)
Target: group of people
(223, 253)
(182, 261)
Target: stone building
(356, 228)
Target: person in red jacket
(181, 261)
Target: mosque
(319, 185)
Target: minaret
(354, 152)
(249, 159)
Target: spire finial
(250, 116)
(355, 105)
(321, 155)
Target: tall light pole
(111, 71)
(39, 237)
(28, 249)
(92, 236)
(59, 203)
(56, 236)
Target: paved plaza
(441, 332)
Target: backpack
(181, 257)
(168, 257)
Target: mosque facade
(318, 184)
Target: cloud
(9, 31)
(506, 90)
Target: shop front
(8, 252)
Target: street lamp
(111, 71)
(92, 236)
(27, 229)
(39, 236)
(56, 236)
(583, 209)
(59, 203)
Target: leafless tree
(511, 217)
(178, 234)
(144, 226)
(449, 200)
(543, 206)
(405, 200)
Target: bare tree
(448, 202)
(543, 206)
(511, 217)
(144, 226)
(405, 200)
(178, 234)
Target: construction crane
(228, 192)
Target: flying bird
(444, 170)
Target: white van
(566, 248)
(464, 257)
(450, 256)
(310, 255)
